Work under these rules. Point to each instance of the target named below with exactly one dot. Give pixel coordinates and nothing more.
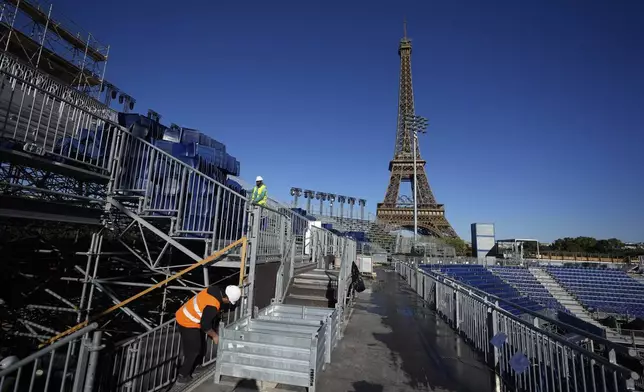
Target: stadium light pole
(415, 124)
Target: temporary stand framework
(36, 36)
(144, 213)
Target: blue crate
(205, 139)
(172, 135)
(218, 145)
(177, 150)
(190, 136)
(127, 119)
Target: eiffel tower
(398, 209)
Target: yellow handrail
(242, 263)
(207, 260)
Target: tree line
(610, 246)
(584, 245)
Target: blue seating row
(527, 284)
(480, 277)
(603, 290)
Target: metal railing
(526, 357)
(285, 273)
(149, 362)
(50, 118)
(67, 365)
(55, 121)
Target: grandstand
(99, 204)
(553, 290)
(525, 282)
(483, 279)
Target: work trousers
(193, 344)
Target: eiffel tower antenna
(408, 166)
(405, 28)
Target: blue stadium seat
(478, 276)
(528, 285)
(604, 290)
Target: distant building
(483, 240)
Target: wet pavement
(395, 343)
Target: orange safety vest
(189, 315)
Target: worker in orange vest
(197, 317)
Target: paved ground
(394, 343)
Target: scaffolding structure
(34, 34)
(92, 214)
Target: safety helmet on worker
(233, 293)
(259, 178)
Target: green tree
(461, 247)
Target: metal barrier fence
(526, 357)
(67, 365)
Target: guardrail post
(492, 353)
(313, 242)
(292, 266)
(81, 364)
(255, 219)
(283, 226)
(457, 311)
(93, 361)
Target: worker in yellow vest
(260, 195)
(197, 317)
(259, 198)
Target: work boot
(199, 369)
(182, 380)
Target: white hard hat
(259, 178)
(233, 293)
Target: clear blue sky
(536, 107)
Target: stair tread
(308, 297)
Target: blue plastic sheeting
(604, 290)
(527, 284)
(478, 276)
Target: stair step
(317, 275)
(309, 297)
(313, 282)
(321, 292)
(321, 303)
